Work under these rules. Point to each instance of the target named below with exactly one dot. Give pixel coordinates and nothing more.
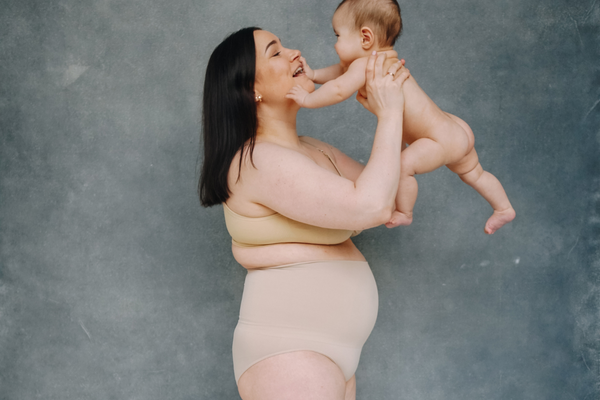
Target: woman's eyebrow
(269, 45)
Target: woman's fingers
(402, 76)
(395, 68)
(392, 70)
(371, 66)
(380, 58)
(362, 100)
(384, 92)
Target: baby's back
(421, 114)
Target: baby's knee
(407, 166)
(473, 175)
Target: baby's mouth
(299, 71)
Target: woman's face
(278, 69)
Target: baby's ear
(367, 38)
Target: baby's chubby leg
(487, 185)
(422, 156)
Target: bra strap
(326, 155)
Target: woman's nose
(295, 54)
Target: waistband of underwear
(308, 262)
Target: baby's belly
(287, 253)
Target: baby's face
(348, 46)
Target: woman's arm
(318, 197)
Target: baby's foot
(499, 219)
(398, 219)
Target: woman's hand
(384, 92)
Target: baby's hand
(310, 74)
(298, 94)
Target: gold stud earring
(258, 98)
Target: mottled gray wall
(116, 284)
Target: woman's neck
(277, 126)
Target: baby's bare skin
(435, 138)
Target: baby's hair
(383, 16)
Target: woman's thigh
(298, 375)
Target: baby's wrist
(305, 102)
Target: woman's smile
(275, 64)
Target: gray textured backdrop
(116, 284)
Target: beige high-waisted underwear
(329, 307)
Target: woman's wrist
(390, 126)
(390, 116)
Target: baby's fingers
(294, 90)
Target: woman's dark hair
(229, 118)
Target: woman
(291, 204)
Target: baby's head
(376, 24)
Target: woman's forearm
(377, 185)
(378, 182)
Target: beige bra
(276, 228)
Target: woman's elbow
(379, 214)
(386, 214)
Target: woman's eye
(276, 54)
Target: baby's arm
(320, 76)
(327, 74)
(334, 91)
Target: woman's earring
(258, 98)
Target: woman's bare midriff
(274, 255)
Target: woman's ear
(367, 38)
(257, 97)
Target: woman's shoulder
(320, 145)
(267, 157)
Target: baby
(435, 138)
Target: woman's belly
(274, 255)
(328, 307)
